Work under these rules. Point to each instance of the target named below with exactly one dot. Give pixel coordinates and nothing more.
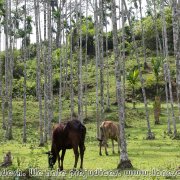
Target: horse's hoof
(60, 169)
(81, 169)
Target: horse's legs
(100, 146)
(118, 145)
(58, 156)
(112, 146)
(105, 146)
(76, 153)
(82, 149)
(62, 158)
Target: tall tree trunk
(24, 85)
(80, 83)
(97, 63)
(63, 58)
(66, 54)
(9, 75)
(166, 91)
(71, 64)
(168, 78)
(45, 76)
(107, 67)
(124, 160)
(150, 135)
(177, 15)
(167, 100)
(38, 50)
(86, 59)
(143, 40)
(171, 100)
(58, 33)
(166, 53)
(175, 25)
(6, 30)
(2, 88)
(16, 28)
(176, 39)
(60, 68)
(123, 49)
(49, 60)
(101, 59)
(156, 30)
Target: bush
(18, 71)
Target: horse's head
(102, 142)
(51, 159)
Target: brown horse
(69, 135)
(108, 130)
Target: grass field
(161, 154)
(158, 156)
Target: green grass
(163, 153)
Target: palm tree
(49, 71)
(97, 62)
(2, 17)
(156, 29)
(66, 49)
(133, 79)
(45, 76)
(176, 23)
(101, 20)
(24, 86)
(9, 68)
(178, 55)
(60, 63)
(86, 60)
(107, 66)
(167, 101)
(4, 11)
(142, 31)
(156, 64)
(1, 78)
(71, 63)
(166, 66)
(80, 83)
(124, 160)
(38, 50)
(168, 79)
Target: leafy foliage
(156, 65)
(149, 29)
(133, 76)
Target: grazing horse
(108, 130)
(68, 135)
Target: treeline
(149, 35)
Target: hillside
(145, 155)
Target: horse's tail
(83, 132)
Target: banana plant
(132, 77)
(156, 65)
